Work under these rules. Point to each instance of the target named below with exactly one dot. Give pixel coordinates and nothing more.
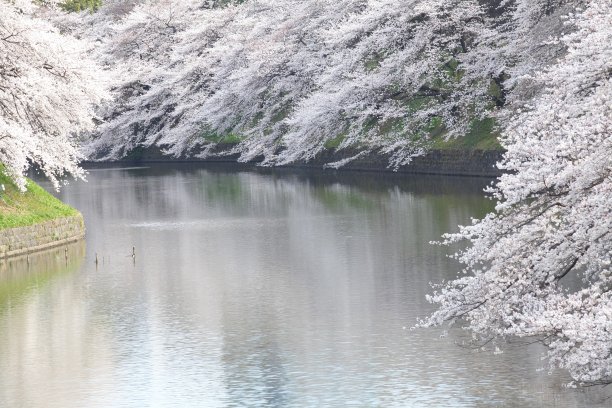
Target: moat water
(256, 289)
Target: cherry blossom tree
(286, 78)
(541, 265)
(47, 88)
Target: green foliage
(419, 102)
(373, 62)
(80, 5)
(452, 70)
(36, 205)
(335, 142)
(482, 136)
(229, 138)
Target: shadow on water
(23, 275)
(365, 180)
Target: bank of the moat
(44, 235)
(448, 162)
(34, 220)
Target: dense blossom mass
(47, 88)
(541, 266)
(287, 79)
(283, 80)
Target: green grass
(335, 142)
(482, 136)
(229, 138)
(36, 205)
(76, 6)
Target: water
(254, 288)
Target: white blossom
(47, 90)
(288, 77)
(540, 266)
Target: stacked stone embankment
(480, 163)
(23, 240)
(459, 162)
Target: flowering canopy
(47, 88)
(287, 79)
(554, 216)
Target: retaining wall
(444, 162)
(23, 240)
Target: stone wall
(23, 240)
(443, 162)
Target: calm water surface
(271, 289)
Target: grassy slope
(482, 136)
(36, 205)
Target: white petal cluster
(289, 78)
(541, 266)
(47, 89)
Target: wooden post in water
(96, 261)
